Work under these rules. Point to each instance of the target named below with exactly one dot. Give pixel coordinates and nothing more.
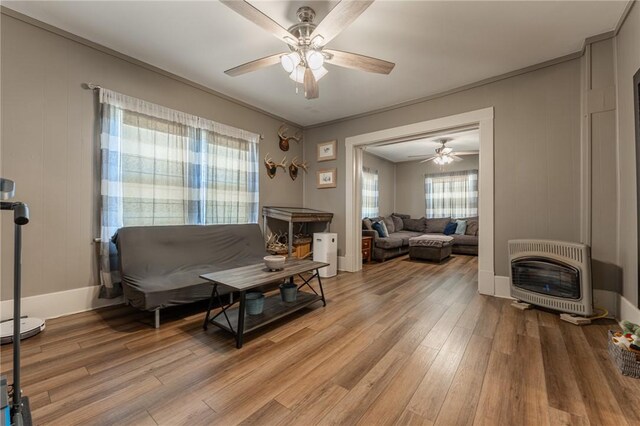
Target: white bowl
(274, 263)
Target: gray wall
(386, 181)
(410, 181)
(537, 153)
(49, 149)
(627, 59)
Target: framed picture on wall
(326, 178)
(327, 151)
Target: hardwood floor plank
(391, 403)
(271, 413)
(459, 406)
(315, 405)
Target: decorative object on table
(255, 303)
(277, 243)
(272, 167)
(327, 151)
(284, 139)
(275, 263)
(288, 292)
(306, 41)
(624, 353)
(294, 167)
(326, 178)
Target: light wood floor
(399, 343)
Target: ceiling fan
(307, 40)
(444, 154)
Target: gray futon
(161, 265)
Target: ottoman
(434, 247)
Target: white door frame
(483, 118)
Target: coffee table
(234, 319)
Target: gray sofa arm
(367, 233)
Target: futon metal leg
(157, 318)
(240, 330)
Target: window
(369, 193)
(453, 194)
(164, 167)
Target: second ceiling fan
(444, 154)
(306, 41)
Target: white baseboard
(486, 284)
(628, 311)
(343, 264)
(502, 287)
(53, 305)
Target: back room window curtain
(164, 167)
(451, 194)
(369, 193)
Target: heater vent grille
(541, 279)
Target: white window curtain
(369, 193)
(165, 167)
(453, 194)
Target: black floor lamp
(19, 409)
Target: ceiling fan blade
(429, 159)
(343, 14)
(254, 65)
(455, 157)
(359, 62)
(467, 152)
(260, 19)
(311, 90)
(446, 150)
(419, 156)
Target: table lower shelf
(274, 309)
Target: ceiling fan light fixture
(315, 59)
(290, 61)
(319, 73)
(297, 75)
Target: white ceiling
(436, 46)
(468, 140)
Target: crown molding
(75, 38)
(624, 15)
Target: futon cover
(161, 265)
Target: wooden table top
(248, 277)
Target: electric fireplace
(553, 274)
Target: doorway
(483, 120)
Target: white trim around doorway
(483, 118)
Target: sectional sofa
(402, 227)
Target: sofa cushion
(436, 226)
(415, 225)
(367, 224)
(472, 226)
(405, 236)
(388, 222)
(382, 230)
(397, 223)
(401, 216)
(465, 240)
(388, 243)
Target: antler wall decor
(294, 167)
(284, 139)
(272, 167)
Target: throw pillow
(461, 227)
(397, 223)
(450, 228)
(436, 226)
(366, 224)
(414, 225)
(379, 227)
(388, 222)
